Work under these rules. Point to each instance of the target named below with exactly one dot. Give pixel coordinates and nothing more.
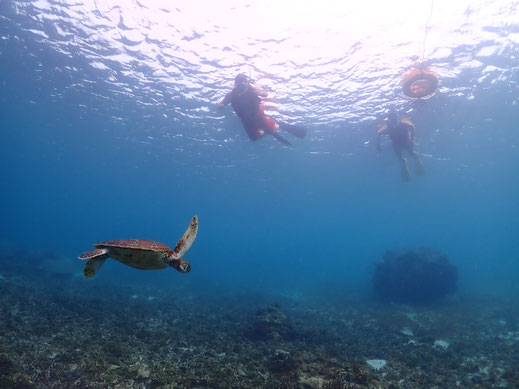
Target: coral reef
(414, 277)
(282, 362)
(72, 333)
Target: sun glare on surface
(301, 31)
(317, 48)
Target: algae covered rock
(271, 323)
(281, 362)
(414, 277)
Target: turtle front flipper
(187, 239)
(96, 258)
(93, 265)
(92, 254)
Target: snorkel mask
(241, 83)
(392, 119)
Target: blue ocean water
(110, 129)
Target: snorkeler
(246, 102)
(401, 133)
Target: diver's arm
(411, 134)
(381, 131)
(407, 122)
(226, 100)
(410, 130)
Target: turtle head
(181, 265)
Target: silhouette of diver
(401, 133)
(247, 103)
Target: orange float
(420, 83)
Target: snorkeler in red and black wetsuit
(246, 102)
(401, 133)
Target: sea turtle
(142, 254)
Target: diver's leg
(406, 176)
(266, 123)
(252, 129)
(404, 169)
(271, 126)
(255, 132)
(255, 135)
(298, 131)
(418, 165)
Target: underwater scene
(274, 194)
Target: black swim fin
(298, 131)
(281, 139)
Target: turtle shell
(139, 253)
(137, 244)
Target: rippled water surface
(328, 63)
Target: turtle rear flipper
(93, 265)
(187, 239)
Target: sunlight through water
(309, 52)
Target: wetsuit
(247, 105)
(400, 136)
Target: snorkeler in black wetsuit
(401, 133)
(246, 102)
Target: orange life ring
(420, 83)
